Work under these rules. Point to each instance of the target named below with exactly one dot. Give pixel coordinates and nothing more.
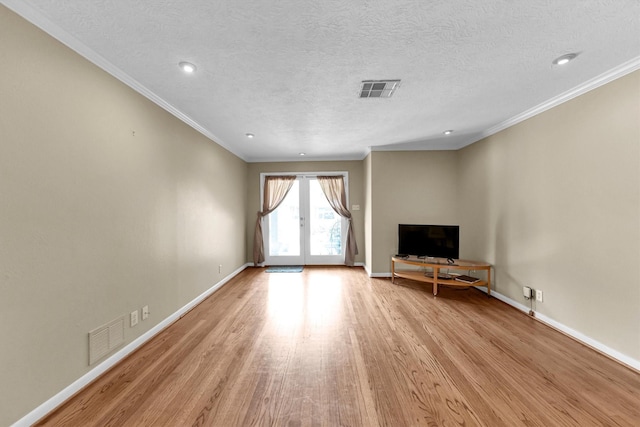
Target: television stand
(435, 277)
(440, 275)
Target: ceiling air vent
(378, 88)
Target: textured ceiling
(289, 71)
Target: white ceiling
(289, 71)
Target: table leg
(393, 271)
(436, 270)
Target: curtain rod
(307, 175)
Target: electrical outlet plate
(539, 296)
(145, 312)
(134, 318)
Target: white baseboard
(370, 274)
(579, 336)
(104, 366)
(92, 375)
(366, 269)
(379, 274)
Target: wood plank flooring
(332, 347)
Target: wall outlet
(145, 312)
(527, 292)
(134, 318)
(220, 268)
(539, 296)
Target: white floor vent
(104, 339)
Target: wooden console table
(437, 264)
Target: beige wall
(409, 188)
(356, 193)
(555, 205)
(96, 221)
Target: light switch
(355, 207)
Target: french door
(304, 229)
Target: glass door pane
(325, 225)
(284, 226)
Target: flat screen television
(439, 241)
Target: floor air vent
(104, 339)
(378, 88)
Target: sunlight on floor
(295, 301)
(286, 302)
(324, 300)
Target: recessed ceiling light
(448, 132)
(302, 154)
(187, 67)
(564, 59)
(249, 135)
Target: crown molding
(36, 18)
(609, 76)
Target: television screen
(439, 241)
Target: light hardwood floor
(333, 347)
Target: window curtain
(333, 188)
(275, 190)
